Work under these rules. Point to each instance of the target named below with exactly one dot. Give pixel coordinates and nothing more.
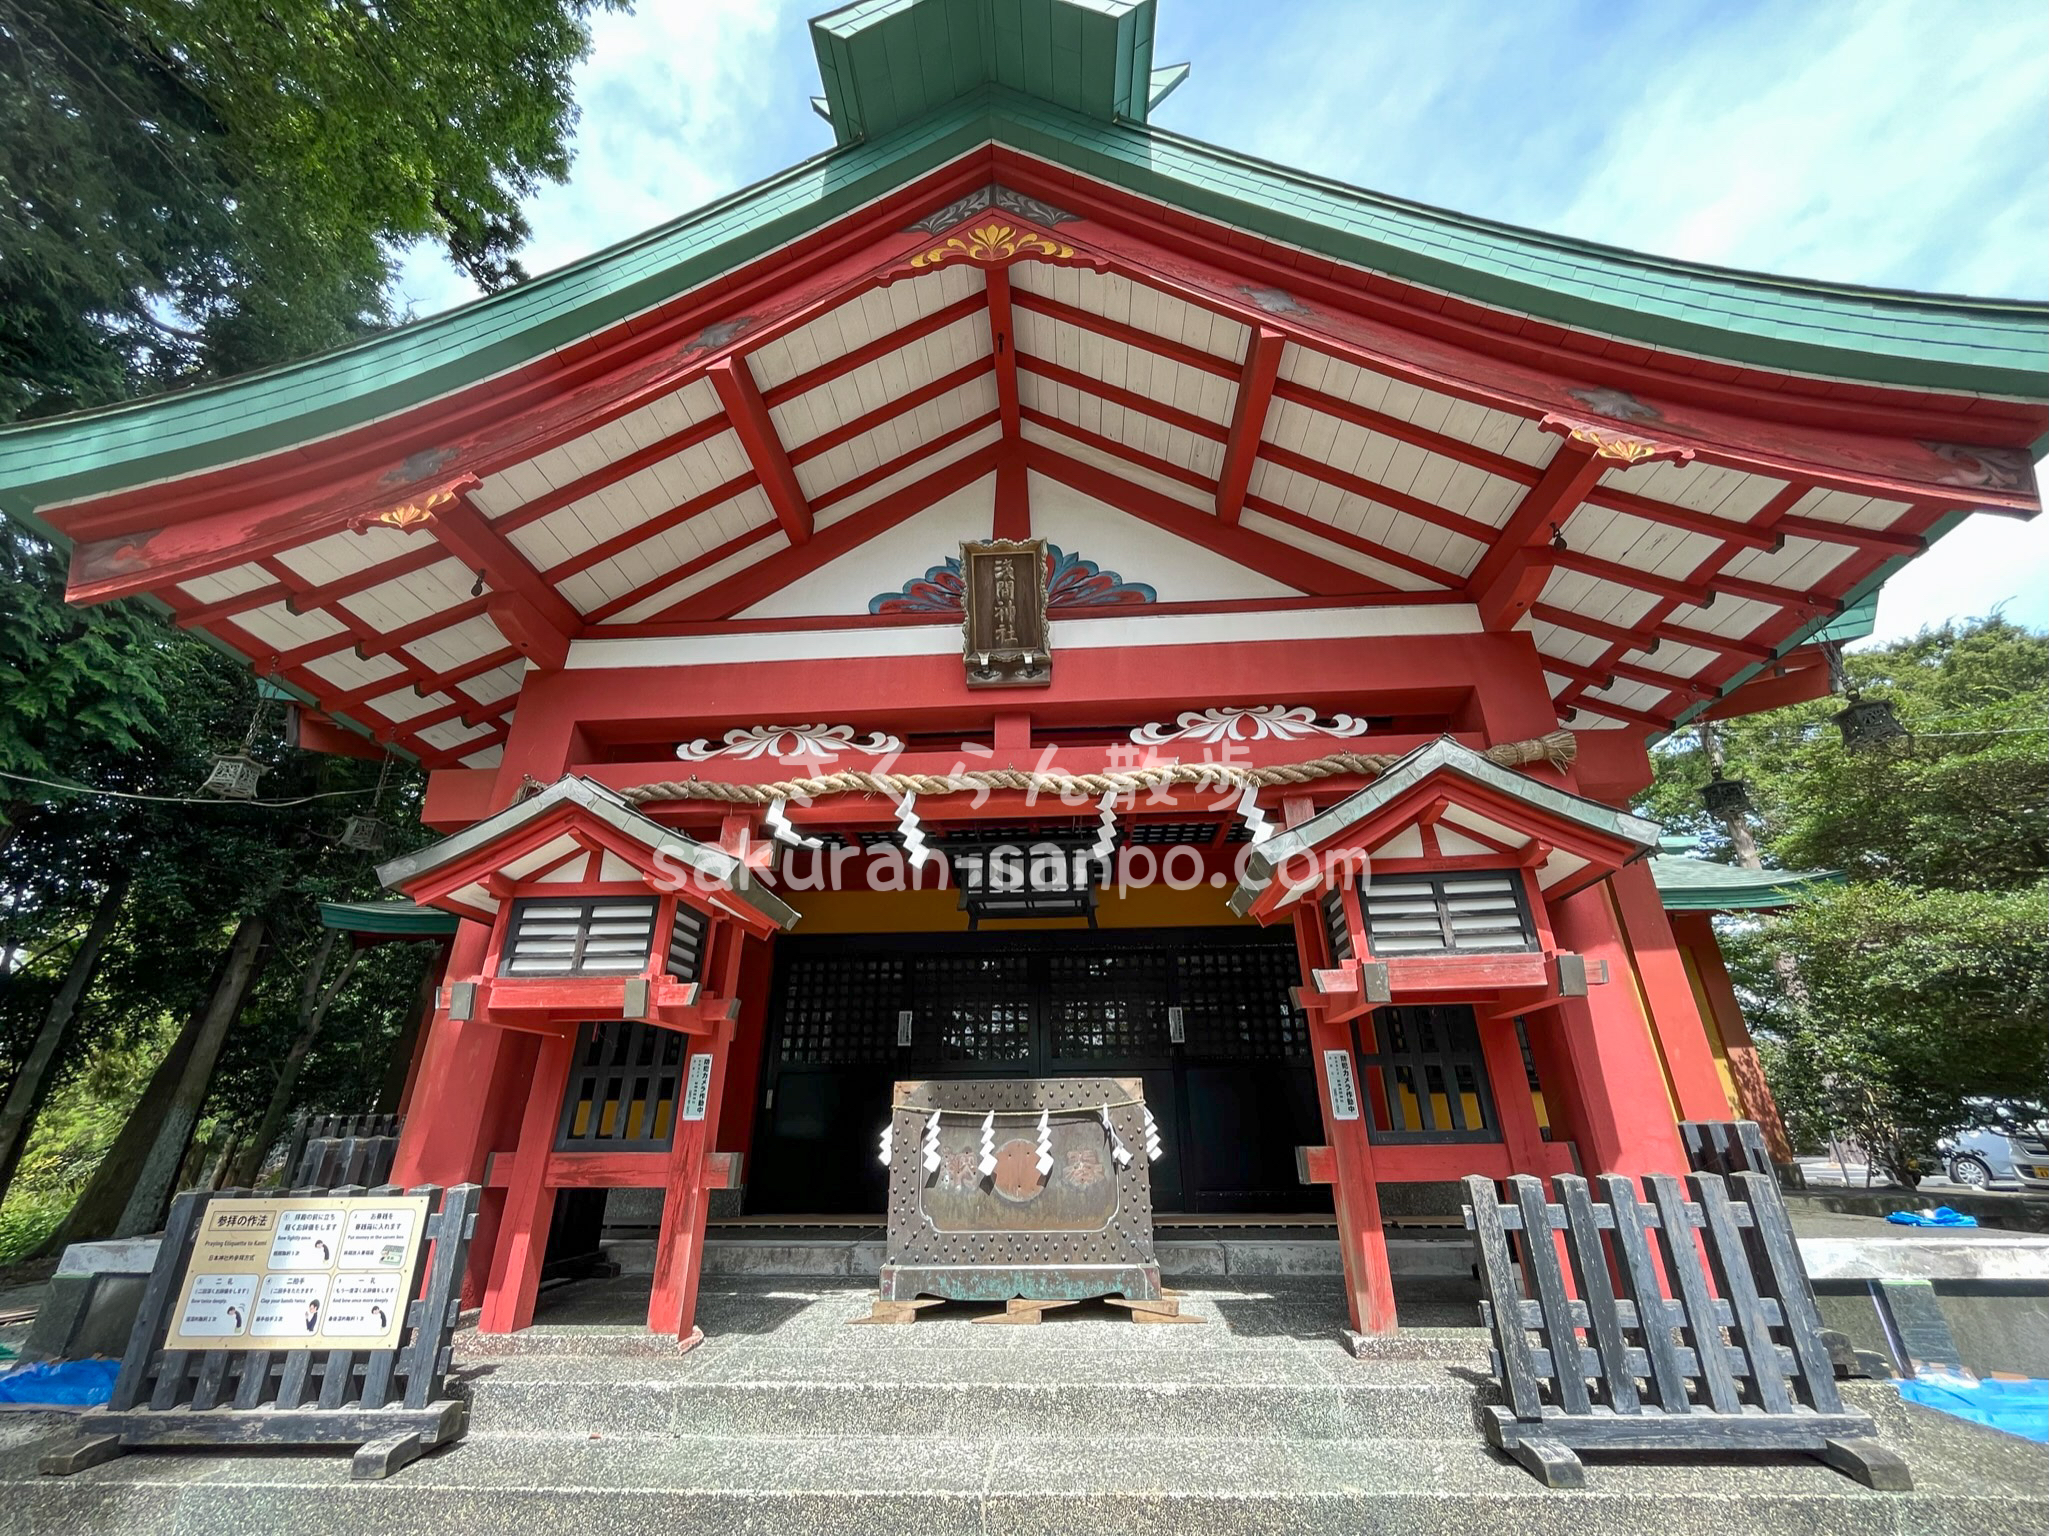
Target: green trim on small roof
(1687, 884)
(387, 919)
(1987, 346)
(1855, 622)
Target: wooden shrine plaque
(1005, 640)
(300, 1272)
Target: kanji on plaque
(361, 1306)
(218, 1307)
(306, 1240)
(288, 1307)
(1344, 1089)
(378, 1237)
(697, 1088)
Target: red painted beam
(1622, 671)
(1751, 535)
(1883, 540)
(683, 572)
(367, 643)
(1194, 479)
(532, 614)
(610, 474)
(1248, 419)
(1402, 431)
(1282, 562)
(1511, 575)
(1643, 636)
(1404, 562)
(872, 351)
(1003, 341)
(1129, 399)
(1694, 591)
(1013, 494)
(1102, 325)
(654, 527)
(903, 461)
(734, 381)
(757, 581)
(1372, 490)
(888, 411)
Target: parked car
(2006, 1153)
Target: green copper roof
(1989, 346)
(387, 919)
(885, 63)
(1687, 884)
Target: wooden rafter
(737, 391)
(1512, 573)
(1003, 347)
(532, 614)
(1248, 418)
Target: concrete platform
(788, 1420)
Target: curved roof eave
(1880, 337)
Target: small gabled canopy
(368, 922)
(1481, 809)
(574, 816)
(1687, 884)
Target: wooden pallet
(1726, 1356)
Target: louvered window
(686, 943)
(1450, 914)
(1335, 928)
(579, 936)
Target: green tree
(1887, 1004)
(195, 188)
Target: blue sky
(1902, 144)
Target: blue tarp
(2017, 1407)
(61, 1383)
(1941, 1216)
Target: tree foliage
(1923, 981)
(195, 188)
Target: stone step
(946, 1482)
(980, 1394)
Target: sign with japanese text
(697, 1087)
(1004, 635)
(300, 1272)
(1344, 1089)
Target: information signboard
(300, 1272)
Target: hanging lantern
(363, 834)
(233, 777)
(1869, 723)
(1726, 799)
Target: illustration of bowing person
(235, 1316)
(312, 1315)
(326, 1253)
(383, 1317)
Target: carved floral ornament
(1258, 722)
(791, 743)
(1608, 443)
(992, 244)
(411, 516)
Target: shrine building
(1024, 593)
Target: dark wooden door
(1202, 1015)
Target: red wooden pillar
(679, 1249)
(529, 1201)
(1520, 1132)
(1695, 933)
(1668, 995)
(1624, 1108)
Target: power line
(123, 794)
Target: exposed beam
(1129, 399)
(1103, 325)
(1248, 418)
(614, 606)
(890, 409)
(1193, 479)
(366, 642)
(734, 381)
(530, 612)
(1013, 494)
(1883, 540)
(751, 585)
(1511, 575)
(1003, 342)
(872, 351)
(1445, 580)
(1372, 490)
(1370, 420)
(607, 475)
(1693, 591)
(1622, 671)
(1751, 535)
(1617, 712)
(654, 527)
(1641, 637)
(903, 461)
(1271, 558)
